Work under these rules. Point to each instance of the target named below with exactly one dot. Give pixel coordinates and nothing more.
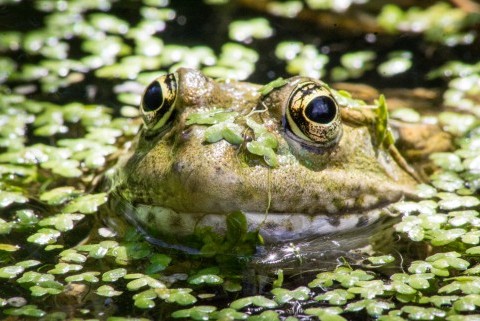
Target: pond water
(71, 78)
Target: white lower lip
(274, 228)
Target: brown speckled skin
(180, 171)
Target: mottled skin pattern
(179, 171)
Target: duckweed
(52, 150)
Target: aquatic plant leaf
(26, 217)
(421, 280)
(228, 314)
(443, 300)
(380, 260)
(335, 297)
(348, 277)
(447, 161)
(37, 278)
(231, 132)
(65, 168)
(443, 237)
(324, 279)
(200, 312)
(99, 250)
(7, 198)
(44, 236)
(28, 263)
(394, 65)
(287, 50)
(37, 290)
(456, 123)
(5, 227)
(384, 135)
(411, 225)
(448, 260)
(8, 247)
(127, 319)
(456, 202)
(326, 314)
(264, 144)
(108, 23)
(90, 277)
(368, 289)
(158, 262)
(26, 310)
(465, 284)
(265, 316)
(426, 267)
(10, 272)
(208, 276)
(246, 30)
(282, 296)
(277, 83)
(64, 268)
(257, 300)
(231, 286)
(59, 195)
(476, 269)
(358, 62)
(374, 308)
(469, 302)
(61, 222)
(407, 115)
(141, 280)
(144, 299)
(211, 117)
(421, 313)
(236, 227)
(86, 204)
(425, 191)
(402, 288)
(107, 291)
(114, 275)
(179, 296)
(121, 71)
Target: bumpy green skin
(181, 172)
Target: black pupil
(153, 97)
(321, 109)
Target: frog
(329, 162)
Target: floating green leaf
(114, 275)
(26, 310)
(44, 236)
(10, 272)
(86, 204)
(107, 291)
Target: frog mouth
(273, 227)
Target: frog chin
(273, 227)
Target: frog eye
(158, 102)
(313, 115)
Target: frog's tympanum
(287, 155)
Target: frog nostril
(153, 97)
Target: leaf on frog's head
(221, 124)
(211, 117)
(277, 83)
(264, 144)
(231, 132)
(382, 131)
